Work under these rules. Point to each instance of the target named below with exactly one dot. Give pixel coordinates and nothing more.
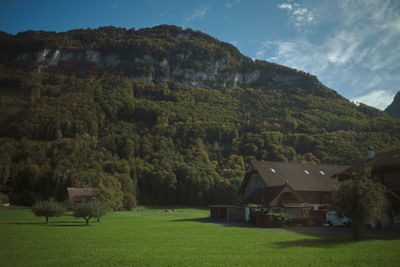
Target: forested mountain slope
(163, 115)
(394, 108)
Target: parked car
(333, 219)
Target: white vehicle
(333, 219)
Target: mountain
(161, 54)
(162, 115)
(394, 108)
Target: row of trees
(86, 209)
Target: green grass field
(155, 237)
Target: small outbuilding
(80, 194)
(229, 213)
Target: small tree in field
(360, 198)
(48, 209)
(90, 209)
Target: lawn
(151, 236)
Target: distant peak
(394, 108)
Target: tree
(109, 192)
(90, 209)
(48, 209)
(360, 198)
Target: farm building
(289, 187)
(303, 189)
(80, 194)
(385, 168)
(230, 213)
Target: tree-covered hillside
(135, 129)
(394, 108)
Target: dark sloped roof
(301, 177)
(264, 195)
(297, 205)
(246, 179)
(386, 160)
(79, 194)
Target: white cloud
(342, 48)
(285, 6)
(357, 54)
(379, 99)
(299, 11)
(298, 15)
(199, 13)
(232, 3)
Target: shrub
(48, 209)
(3, 198)
(129, 201)
(252, 214)
(90, 209)
(360, 198)
(276, 219)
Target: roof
(301, 177)
(297, 205)
(264, 195)
(79, 194)
(386, 160)
(225, 206)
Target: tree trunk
(356, 234)
(47, 219)
(357, 231)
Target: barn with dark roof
(293, 187)
(289, 186)
(285, 187)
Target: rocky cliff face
(151, 55)
(146, 68)
(394, 108)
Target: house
(289, 187)
(385, 168)
(80, 194)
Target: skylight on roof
(322, 172)
(273, 170)
(306, 171)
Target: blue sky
(353, 46)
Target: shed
(80, 194)
(230, 213)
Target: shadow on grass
(318, 236)
(169, 208)
(319, 241)
(65, 225)
(67, 221)
(330, 241)
(203, 220)
(51, 224)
